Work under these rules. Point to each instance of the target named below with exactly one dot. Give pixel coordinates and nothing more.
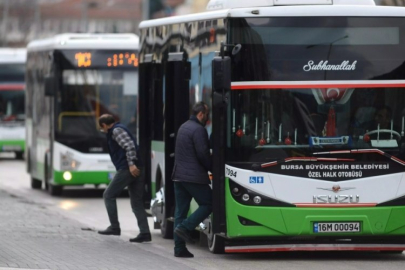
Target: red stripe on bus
(288, 86)
(335, 205)
(11, 87)
(269, 164)
(336, 159)
(398, 160)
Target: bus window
(87, 94)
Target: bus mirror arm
(221, 75)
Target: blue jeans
(135, 185)
(184, 192)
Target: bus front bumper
(12, 146)
(72, 178)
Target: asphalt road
(86, 206)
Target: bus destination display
(84, 59)
(101, 59)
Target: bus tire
(167, 228)
(35, 183)
(55, 190)
(216, 245)
(28, 162)
(19, 155)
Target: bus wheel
(35, 183)
(28, 162)
(216, 245)
(19, 155)
(166, 228)
(55, 190)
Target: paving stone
(34, 237)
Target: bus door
(221, 84)
(148, 82)
(176, 112)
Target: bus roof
(85, 41)
(283, 11)
(226, 4)
(12, 55)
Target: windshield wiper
(363, 151)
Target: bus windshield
(11, 103)
(318, 48)
(269, 124)
(12, 72)
(280, 107)
(87, 94)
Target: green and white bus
(12, 116)
(71, 80)
(307, 131)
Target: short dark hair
(199, 107)
(107, 119)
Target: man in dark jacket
(125, 156)
(190, 176)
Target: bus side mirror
(221, 74)
(49, 86)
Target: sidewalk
(34, 237)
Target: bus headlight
(67, 176)
(245, 197)
(68, 163)
(257, 199)
(236, 191)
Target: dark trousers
(135, 185)
(184, 192)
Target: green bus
(12, 115)
(71, 80)
(307, 103)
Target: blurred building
(24, 20)
(165, 8)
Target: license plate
(326, 227)
(11, 148)
(111, 175)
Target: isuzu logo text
(324, 65)
(336, 199)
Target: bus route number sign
(231, 173)
(110, 60)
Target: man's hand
(134, 170)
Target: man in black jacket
(124, 154)
(190, 176)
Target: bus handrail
(63, 114)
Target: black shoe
(184, 254)
(142, 237)
(111, 231)
(184, 234)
